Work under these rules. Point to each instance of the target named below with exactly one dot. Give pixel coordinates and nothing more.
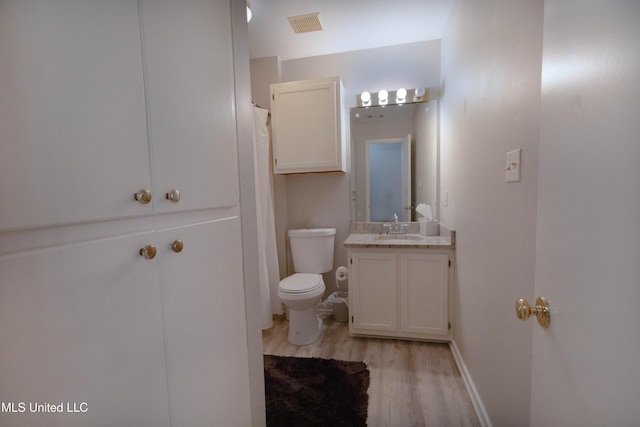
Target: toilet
(312, 253)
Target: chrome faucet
(396, 228)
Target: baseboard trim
(471, 388)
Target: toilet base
(304, 326)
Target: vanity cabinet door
(401, 294)
(81, 325)
(73, 146)
(424, 293)
(373, 295)
(189, 76)
(307, 128)
(205, 324)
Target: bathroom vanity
(401, 286)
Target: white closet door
(205, 325)
(191, 105)
(73, 146)
(82, 324)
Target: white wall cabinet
(98, 100)
(308, 126)
(403, 293)
(83, 323)
(125, 334)
(86, 125)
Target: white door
(73, 145)
(586, 365)
(82, 324)
(189, 80)
(205, 324)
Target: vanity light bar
(399, 97)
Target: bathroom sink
(399, 237)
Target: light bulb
(365, 97)
(401, 95)
(420, 92)
(383, 96)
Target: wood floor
(412, 383)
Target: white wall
(409, 65)
(264, 71)
(491, 61)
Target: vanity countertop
(372, 235)
(410, 240)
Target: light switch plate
(512, 169)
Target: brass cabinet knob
(173, 195)
(143, 196)
(177, 246)
(540, 310)
(149, 252)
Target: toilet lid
(301, 282)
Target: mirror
(394, 153)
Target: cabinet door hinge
(351, 261)
(273, 97)
(276, 162)
(449, 263)
(449, 325)
(351, 319)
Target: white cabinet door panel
(205, 325)
(374, 299)
(401, 293)
(191, 106)
(73, 146)
(307, 126)
(424, 284)
(82, 323)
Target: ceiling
(347, 25)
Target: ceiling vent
(305, 23)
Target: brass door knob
(173, 195)
(143, 196)
(177, 246)
(149, 252)
(540, 310)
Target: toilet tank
(312, 249)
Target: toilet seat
(299, 283)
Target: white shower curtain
(267, 251)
